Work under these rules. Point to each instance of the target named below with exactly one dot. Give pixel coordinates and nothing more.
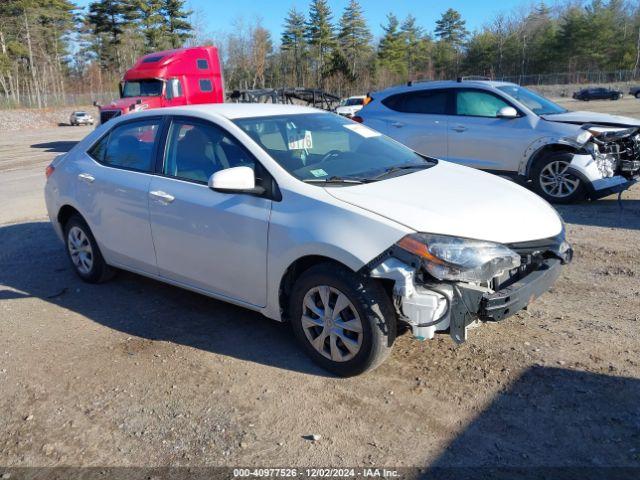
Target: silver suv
(509, 130)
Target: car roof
(428, 85)
(234, 111)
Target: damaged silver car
(509, 130)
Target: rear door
(419, 120)
(478, 138)
(112, 187)
(208, 240)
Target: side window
(426, 101)
(195, 151)
(477, 103)
(205, 85)
(128, 146)
(202, 64)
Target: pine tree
(354, 36)
(177, 28)
(451, 28)
(415, 44)
(108, 19)
(320, 36)
(293, 40)
(391, 49)
(149, 20)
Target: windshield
(536, 103)
(350, 102)
(321, 147)
(142, 88)
(79, 114)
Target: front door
(212, 241)
(479, 138)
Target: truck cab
(169, 78)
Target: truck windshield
(536, 103)
(322, 147)
(142, 88)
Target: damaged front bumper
(599, 183)
(455, 306)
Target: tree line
(52, 46)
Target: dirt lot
(137, 373)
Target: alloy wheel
(80, 250)
(331, 323)
(556, 182)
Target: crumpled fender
(537, 145)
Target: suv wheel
(84, 253)
(344, 321)
(637, 94)
(552, 181)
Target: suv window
(128, 146)
(478, 103)
(196, 150)
(424, 101)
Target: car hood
(349, 109)
(593, 117)
(453, 200)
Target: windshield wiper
(399, 168)
(335, 180)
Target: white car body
(238, 247)
(350, 106)
(80, 118)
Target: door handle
(460, 128)
(397, 124)
(86, 177)
(162, 197)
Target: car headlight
(460, 259)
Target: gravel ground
(32, 118)
(138, 373)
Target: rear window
(202, 64)
(128, 146)
(426, 101)
(205, 85)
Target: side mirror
(235, 180)
(507, 112)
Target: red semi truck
(170, 78)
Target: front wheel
(553, 182)
(638, 95)
(344, 321)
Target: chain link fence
(575, 78)
(49, 100)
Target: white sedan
(306, 217)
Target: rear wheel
(554, 183)
(84, 253)
(344, 321)
(637, 94)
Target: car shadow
(33, 264)
(60, 146)
(551, 423)
(607, 212)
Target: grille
(106, 115)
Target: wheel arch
(65, 213)
(545, 150)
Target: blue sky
(219, 15)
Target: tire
(83, 252)
(637, 95)
(544, 183)
(369, 310)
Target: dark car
(635, 91)
(598, 93)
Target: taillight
(357, 118)
(49, 170)
(367, 100)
